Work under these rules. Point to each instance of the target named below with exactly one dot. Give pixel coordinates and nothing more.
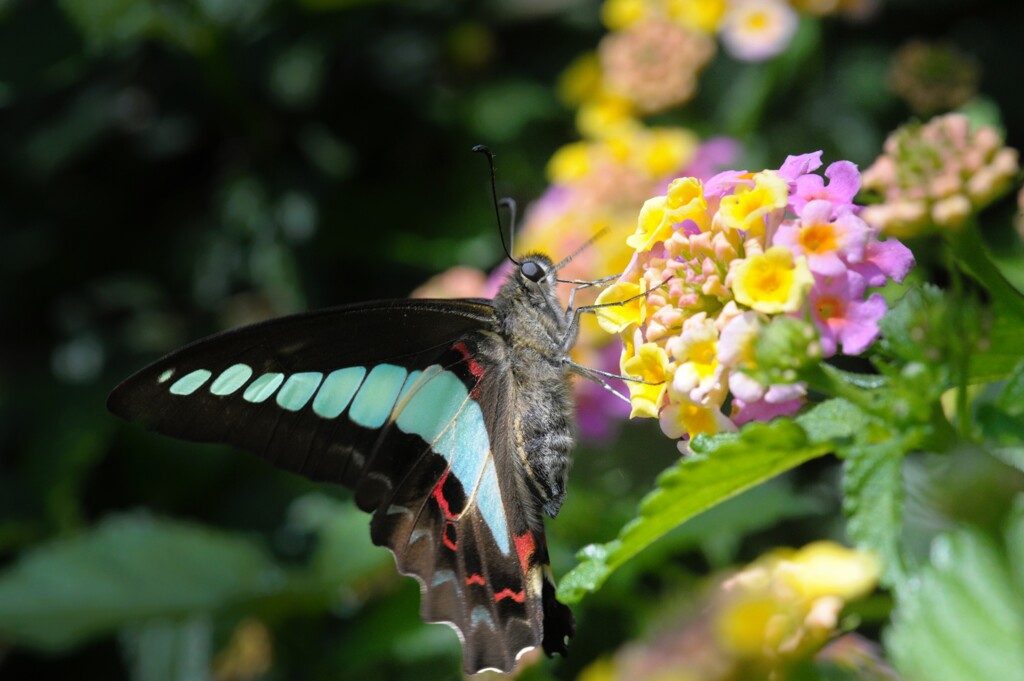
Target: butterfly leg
(592, 375)
(574, 324)
(582, 285)
(596, 376)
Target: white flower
(755, 30)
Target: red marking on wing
(438, 495)
(475, 579)
(449, 517)
(448, 541)
(525, 547)
(516, 596)
(475, 367)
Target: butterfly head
(532, 279)
(530, 296)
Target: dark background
(169, 169)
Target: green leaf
(719, 468)
(1015, 542)
(918, 327)
(169, 650)
(1001, 349)
(106, 24)
(344, 552)
(126, 570)
(1002, 422)
(833, 421)
(969, 250)
(873, 501)
(963, 619)
(1011, 399)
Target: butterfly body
(533, 332)
(451, 420)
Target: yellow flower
(617, 318)
(649, 364)
(787, 603)
(702, 15)
(581, 80)
(772, 281)
(746, 208)
(652, 225)
(570, 163)
(754, 620)
(687, 418)
(604, 116)
(825, 568)
(667, 150)
(684, 201)
(697, 377)
(618, 14)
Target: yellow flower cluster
(597, 187)
(701, 256)
(787, 603)
(937, 175)
(760, 623)
(656, 48)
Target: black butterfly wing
(478, 551)
(245, 387)
(388, 399)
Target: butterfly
(452, 421)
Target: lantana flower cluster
(936, 175)
(787, 603)
(718, 265)
(597, 187)
(933, 77)
(652, 57)
(775, 613)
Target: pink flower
(714, 153)
(884, 259)
(843, 185)
(795, 166)
(829, 243)
(763, 409)
(843, 316)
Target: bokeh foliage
(170, 169)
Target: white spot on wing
(398, 510)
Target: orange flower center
(817, 239)
(829, 307)
(769, 281)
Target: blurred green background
(169, 169)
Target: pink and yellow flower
(842, 314)
(830, 242)
(721, 260)
(936, 175)
(749, 206)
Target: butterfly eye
(532, 270)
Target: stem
(968, 250)
(961, 358)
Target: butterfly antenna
(509, 204)
(584, 246)
(480, 148)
